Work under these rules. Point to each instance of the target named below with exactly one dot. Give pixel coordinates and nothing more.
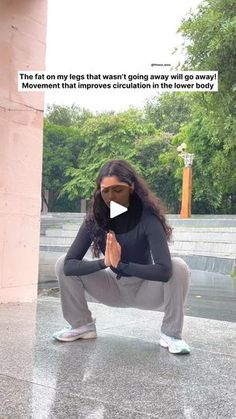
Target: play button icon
(116, 209)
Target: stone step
(53, 232)
(205, 230)
(181, 236)
(54, 248)
(56, 220)
(223, 265)
(211, 248)
(201, 223)
(212, 241)
(72, 226)
(206, 236)
(230, 232)
(62, 216)
(201, 253)
(52, 241)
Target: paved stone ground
(124, 373)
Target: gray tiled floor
(122, 374)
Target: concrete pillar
(22, 47)
(186, 193)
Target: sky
(111, 37)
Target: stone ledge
(221, 265)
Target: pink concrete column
(22, 47)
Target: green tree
(67, 116)
(208, 185)
(210, 45)
(62, 146)
(156, 157)
(210, 35)
(170, 111)
(106, 136)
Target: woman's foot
(174, 345)
(88, 331)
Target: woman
(136, 270)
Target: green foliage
(105, 136)
(67, 116)
(206, 197)
(62, 146)
(210, 44)
(157, 160)
(210, 35)
(170, 111)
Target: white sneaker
(175, 346)
(88, 331)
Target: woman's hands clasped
(113, 250)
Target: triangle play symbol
(116, 209)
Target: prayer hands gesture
(113, 250)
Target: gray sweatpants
(125, 292)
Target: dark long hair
(99, 211)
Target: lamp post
(187, 181)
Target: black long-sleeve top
(144, 250)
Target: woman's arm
(74, 263)
(161, 269)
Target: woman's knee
(59, 267)
(180, 269)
